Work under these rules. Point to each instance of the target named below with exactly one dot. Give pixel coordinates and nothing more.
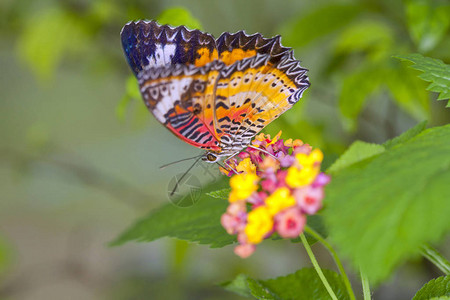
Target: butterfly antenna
(182, 177)
(175, 162)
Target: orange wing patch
(205, 56)
(252, 93)
(229, 57)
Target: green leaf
(177, 16)
(198, 223)
(356, 89)
(317, 23)
(371, 36)
(435, 71)
(408, 91)
(405, 136)
(439, 287)
(239, 285)
(220, 194)
(396, 201)
(131, 93)
(303, 284)
(427, 22)
(357, 152)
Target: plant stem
(365, 286)
(317, 267)
(333, 253)
(436, 258)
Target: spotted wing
(255, 90)
(181, 97)
(176, 85)
(146, 43)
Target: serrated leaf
(405, 136)
(304, 284)
(427, 22)
(177, 16)
(318, 23)
(357, 152)
(220, 194)
(380, 210)
(238, 285)
(436, 288)
(435, 71)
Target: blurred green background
(80, 154)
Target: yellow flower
(275, 138)
(279, 200)
(305, 160)
(242, 186)
(259, 224)
(288, 143)
(300, 177)
(246, 166)
(263, 137)
(293, 143)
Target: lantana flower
(275, 184)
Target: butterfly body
(215, 94)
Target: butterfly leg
(228, 165)
(263, 151)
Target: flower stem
(317, 268)
(436, 258)
(333, 253)
(365, 286)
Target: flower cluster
(274, 185)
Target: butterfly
(214, 94)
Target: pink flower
(305, 149)
(255, 216)
(243, 155)
(321, 180)
(287, 161)
(230, 223)
(244, 250)
(236, 207)
(269, 185)
(235, 218)
(257, 199)
(280, 147)
(289, 223)
(309, 199)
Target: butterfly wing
(181, 98)
(176, 77)
(213, 94)
(148, 43)
(260, 82)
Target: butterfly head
(210, 157)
